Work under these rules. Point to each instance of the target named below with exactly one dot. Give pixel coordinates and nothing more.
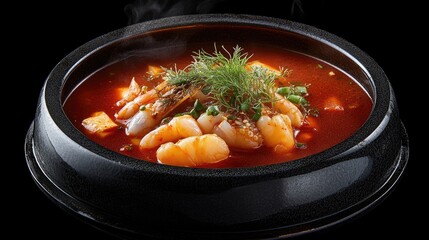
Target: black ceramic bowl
(135, 199)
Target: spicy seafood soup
(304, 195)
(219, 106)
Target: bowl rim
(379, 82)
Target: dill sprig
(226, 78)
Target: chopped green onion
(198, 106)
(256, 116)
(297, 100)
(284, 91)
(258, 112)
(294, 90)
(300, 145)
(181, 114)
(245, 106)
(231, 117)
(213, 110)
(301, 90)
(166, 120)
(142, 108)
(194, 113)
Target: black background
(39, 35)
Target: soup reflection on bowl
(218, 127)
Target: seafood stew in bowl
(219, 105)
(141, 132)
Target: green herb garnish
(213, 111)
(225, 76)
(234, 85)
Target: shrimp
(243, 136)
(153, 111)
(132, 92)
(277, 132)
(284, 106)
(236, 135)
(178, 128)
(132, 107)
(148, 97)
(193, 151)
(147, 118)
(208, 122)
(129, 110)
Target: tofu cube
(99, 123)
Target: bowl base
(105, 222)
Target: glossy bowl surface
(135, 199)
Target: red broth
(99, 92)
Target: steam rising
(144, 10)
(296, 9)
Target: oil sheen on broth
(333, 105)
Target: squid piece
(141, 123)
(193, 151)
(178, 128)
